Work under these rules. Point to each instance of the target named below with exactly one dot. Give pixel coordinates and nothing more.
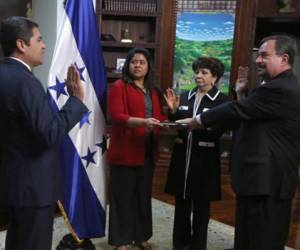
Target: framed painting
(203, 28)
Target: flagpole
(69, 226)
(83, 152)
(72, 241)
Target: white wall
(45, 14)
(48, 14)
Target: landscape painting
(202, 34)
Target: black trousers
(262, 223)
(30, 228)
(189, 231)
(130, 212)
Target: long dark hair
(127, 77)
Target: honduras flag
(83, 151)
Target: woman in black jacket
(194, 173)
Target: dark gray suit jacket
(30, 133)
(266, 152)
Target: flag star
(89, 157)
(80, 70)
(102, 145)
(85, 119)
(59, 87)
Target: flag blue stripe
(83, 21)
(84, 210)
(88, 222)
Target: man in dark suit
(266, 152)
(30, 132)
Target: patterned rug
(220, 236)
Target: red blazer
(127, 145)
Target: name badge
(183, 107)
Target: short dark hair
(283, 45)
(13, 28)
(215, 66)
(127, 77)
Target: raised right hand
(172, 99)
(73, 83)
(241, 82)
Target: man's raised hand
(73, 83)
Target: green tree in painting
(187, 51)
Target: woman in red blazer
(135, 111)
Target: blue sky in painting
(204, 26)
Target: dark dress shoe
(145, 246)
(182, 248)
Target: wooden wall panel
(243, 36)
(167, 43)
(270, 8)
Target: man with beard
(266, 151)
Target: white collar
(212, 94)
(19, 60)
(263, 82)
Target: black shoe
(145, 246)
(182, 248)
